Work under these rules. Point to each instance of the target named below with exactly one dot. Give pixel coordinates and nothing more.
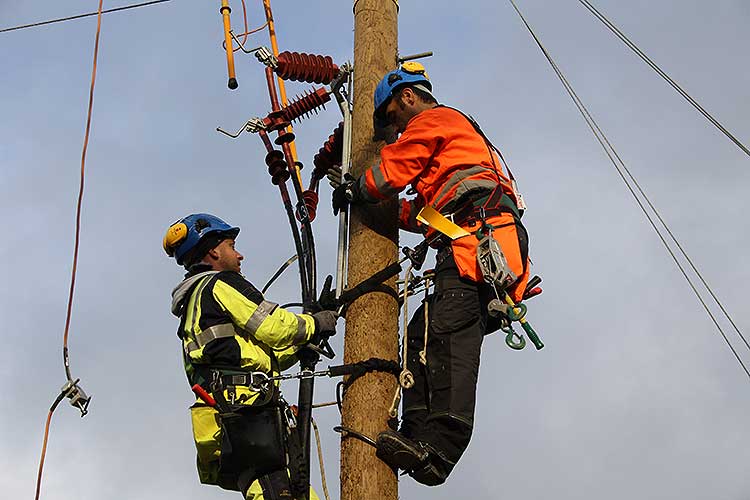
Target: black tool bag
(253, 444)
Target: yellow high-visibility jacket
(227, 325)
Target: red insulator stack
(310, 68)
(311, 101)
(310, 198)
(277, 167)
(330, 154)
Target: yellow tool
(441, 223)
(225, 10)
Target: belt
(471, 213)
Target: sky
(635, 394)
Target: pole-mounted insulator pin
(310, 68)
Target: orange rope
(80, 191)
(252, 31)
(246, 33)
(75, 253)
(44, 444)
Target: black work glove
(325, 323)
(345, 194)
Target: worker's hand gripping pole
(225, 10)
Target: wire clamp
(77, 396)
(266, 57)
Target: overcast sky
(635, 395)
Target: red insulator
(310, 68)
(306, 104)
(310, 198)
(277, 167)
(330, 154)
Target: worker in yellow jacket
(232, 340)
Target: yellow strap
(439, 222)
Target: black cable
(79, 16)
(632, 46)
(607, 146)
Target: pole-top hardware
(412, 57)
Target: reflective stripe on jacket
(442, 156)
(228, 323)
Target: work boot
(429, 475)
(399, 452)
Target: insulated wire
(607, 146)
(116, 9)
(632, 46)
(695, 104)
(44, 443)
(66, 360)
(281, 269)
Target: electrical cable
(632, 46)
(79, 16)
(613, 155)
(44, 443)
(68, 388)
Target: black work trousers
(439, 409)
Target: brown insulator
(310, 198)
(309, 102)
(310, 68)
(330, 154)
(284, 138)
(277, 167)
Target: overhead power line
(79, 16)
(632, 46)
(625, 173)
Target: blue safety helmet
(409, 73)
(185, 234)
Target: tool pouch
(252, 444)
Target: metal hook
(514, 340)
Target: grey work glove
(325, 323)
(334, 176)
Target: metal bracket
(414, 56)
(263, 54)
(341, 88)
(253, 126)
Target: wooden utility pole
(372, 321)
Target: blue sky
(635, 395)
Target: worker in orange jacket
(446, 159)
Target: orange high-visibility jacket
(442, 157)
